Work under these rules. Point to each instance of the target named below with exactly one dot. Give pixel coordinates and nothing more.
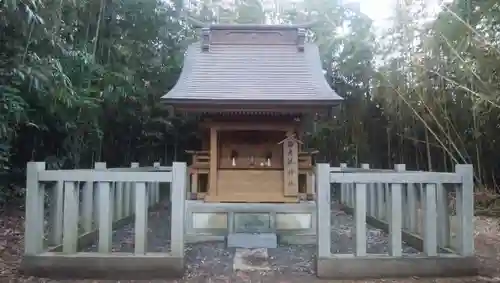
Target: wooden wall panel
(250, 143)
(250, 185)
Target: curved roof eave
(277, 74)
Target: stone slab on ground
(251, 260)
(252, 241)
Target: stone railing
(85, 205)
(389, 199)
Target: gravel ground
(212, 262)
(343, 236)
(158, 233)
(343, 240)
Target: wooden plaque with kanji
(291, 168)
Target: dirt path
(487, 244)
(211, 267)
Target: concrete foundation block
(297, 239)
(200, 238)
(252, 241)
(348, 267)
(118, 266)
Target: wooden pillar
(309, 183)
(194, 182)
(212, 189)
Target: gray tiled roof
(252, 72)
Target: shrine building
(251, 87)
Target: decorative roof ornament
(207, 27)
(205, 39)
(196, 23)
(199, 24)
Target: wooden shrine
(255, 162)
(251, 87)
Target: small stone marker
(252, 241)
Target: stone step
(252, 241)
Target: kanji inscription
(291, 166)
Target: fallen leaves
(211, 262)
(11, 242)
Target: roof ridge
(258, 26)
(252, 34)
(200, 24)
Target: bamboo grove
(80, 82)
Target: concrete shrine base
(116, 266)
(347, 267)
(292, 223)
(283, 239)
